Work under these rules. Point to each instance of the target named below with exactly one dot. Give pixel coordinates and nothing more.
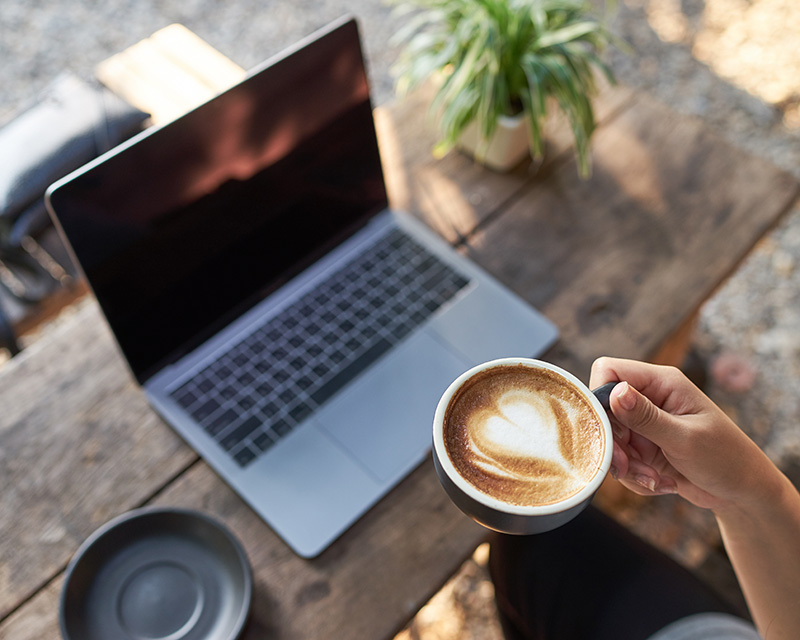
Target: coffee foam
(522, 435)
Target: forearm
(677, 436)
(763, 543)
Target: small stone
(733, 372)
(783, 263)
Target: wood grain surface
(79, 444)
(618, 262)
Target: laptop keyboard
(282, 372)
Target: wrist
(769, 495)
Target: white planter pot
(507, 147)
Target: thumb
(636, 412)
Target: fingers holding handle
(628, 464)
(603, 394)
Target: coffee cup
(521, 445)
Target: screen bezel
(58, 197)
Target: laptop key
(205, 409)
(320, 370)
(263, 441)
(401, 331)
(230, 440)
(228, 393)
(244, 456)
(351, 371)
(219, 423)
(223, 372)
(185, 398)
(245, 378)
(270, 407)
(313, 349)
(279, 354)
(300, 412)
(264, 388)
(281, 427)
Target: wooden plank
(66, 287)
(196, 57)
(616, 261)
(168, 73)
(33, 317)
(79, 444)
(114, 452)
(380, 570)
(165, 75)
(619, 262)
(146, 79)
(454, 194)
(393, 549)
(122, 77)
(38, 618)
(182, 89)
(676, 348)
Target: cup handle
(603, 394)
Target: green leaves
(500, 56)
(566, 34)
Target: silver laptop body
(311, 389)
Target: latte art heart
(523, 435)
(521, 425)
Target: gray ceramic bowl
(160, 574)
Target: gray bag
(70, 123)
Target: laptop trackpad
(385, 419)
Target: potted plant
(497, 60)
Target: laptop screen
(194, 222)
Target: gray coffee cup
(502, 516)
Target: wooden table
(619, 263)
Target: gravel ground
(736, 64)
(733, 63)
(43, 37)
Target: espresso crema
(523, 435)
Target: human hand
(669, 437)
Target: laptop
(294, 330)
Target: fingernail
(645, 481)
(626, 397)
(614, 473)
(667, 489)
